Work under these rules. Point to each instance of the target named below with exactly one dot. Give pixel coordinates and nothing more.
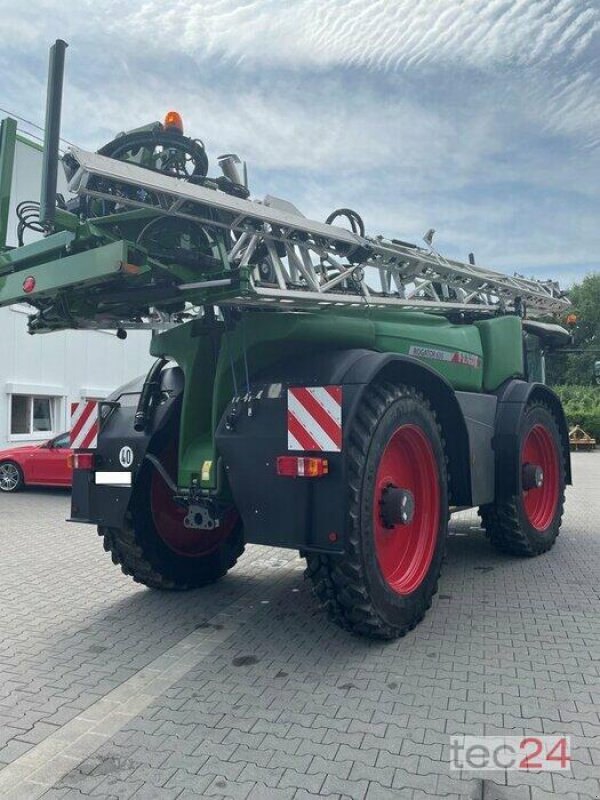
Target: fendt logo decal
(314, 418)
(84, 425)
(457, 357)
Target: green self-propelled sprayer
(315, 387)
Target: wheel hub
(533, 477)
(397, 506)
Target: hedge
(582, 407)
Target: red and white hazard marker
(84, 425)
(314, 418)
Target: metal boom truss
(295, 262)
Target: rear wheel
(398, 513)
(11, 477)
(528, 524)
(158, 550)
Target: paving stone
(308, 747)
(13, 749)
(300, 780)
(355, 754)
(182, 779)
(227, 769)
(341, 769)
(357, 789)
(150, 792)
(493, 791)
(404, 780)
(511, 649)
(382, 775)
(269, 776)
(290, 745)
(378, 792)
(157, 777)
(113, 786)
(295, 761)
(262, 792)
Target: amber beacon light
(173, 121)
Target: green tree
(578, 368)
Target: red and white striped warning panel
(84, 425)
(314, 418)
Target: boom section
(294, 262)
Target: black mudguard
(107, 505)
(513, 397)
(311, 513)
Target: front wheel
(398, 515)
(11, 477)
(528, 523)
(156, 548)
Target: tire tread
(128, 552)
(502, 524)
(339, 583)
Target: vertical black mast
(56, 69)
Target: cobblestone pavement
(243, 690)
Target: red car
(44, 464)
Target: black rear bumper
(98, 505)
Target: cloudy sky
(480, 118)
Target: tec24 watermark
(510, 753)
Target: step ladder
(298, 263)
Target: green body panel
(38, 252)
(205, 352)
(81, 269)
(502, 340)
(8, 138)
(452, 350)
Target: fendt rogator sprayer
(314, 387)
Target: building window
(41, 417)
(32, 416)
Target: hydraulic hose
(355, 220)
(143, 411)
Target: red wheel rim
(404, 552)
(168, 519)
(540, 503)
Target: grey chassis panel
(479, 411)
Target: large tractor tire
(156, 549)
(528, 524)
(383, 584)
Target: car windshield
(60, 441)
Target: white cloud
(378, 34)
(478, 117)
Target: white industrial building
(41, 375)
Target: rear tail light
(302, 467)
(82, 460)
